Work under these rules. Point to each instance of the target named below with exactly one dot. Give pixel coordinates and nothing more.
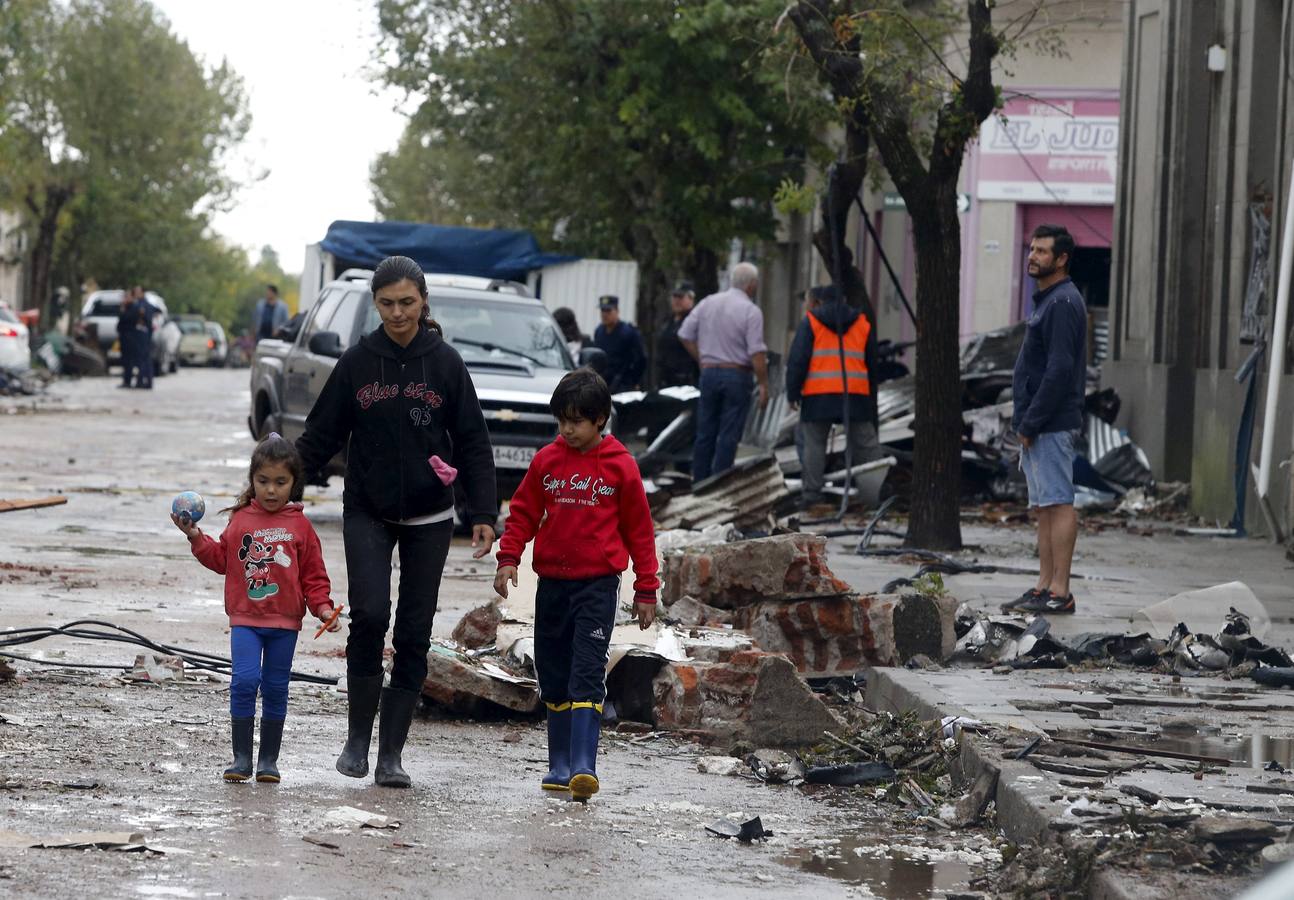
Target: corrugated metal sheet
(745, 496)
(578, 285)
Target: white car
(195, 344)
(101, 310)
(15, 353)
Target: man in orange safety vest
(819, 383)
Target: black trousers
(423, 549)
(573, 622)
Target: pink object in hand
(444, 471)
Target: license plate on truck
(513, 457)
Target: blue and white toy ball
(189, 505)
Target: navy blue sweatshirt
(1051, 370)
(397, 407)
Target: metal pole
(1276, 370)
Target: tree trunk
(702, 269)
(935, 520)
(42, 251)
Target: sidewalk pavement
(1066, 788)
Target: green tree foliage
(652, 129)
(113, 142)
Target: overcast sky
(317, 119)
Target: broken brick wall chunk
(841, 635)
(754, 696)
(729, 576)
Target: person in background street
(127, 338)
(819, 384)
(583, 502)
(271, 314)
(674, 365)
(402, 402)
(1048, 386)
(623, 345)
(273, 565)
(725, 334)
(575, 339)
(144, 315)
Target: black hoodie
(399, 406)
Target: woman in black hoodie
(404, 401)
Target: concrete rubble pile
(742, 626)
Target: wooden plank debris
(14, 505)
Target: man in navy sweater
(1048, 386)
(623, 345)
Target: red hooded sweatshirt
(273, 566)
(588, 514)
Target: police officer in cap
(623, 345)
(674, 365)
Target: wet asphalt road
(147, 758)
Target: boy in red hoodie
(583, 502)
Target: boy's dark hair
(1062, 241)
(582, 394)
(274, 288)
(274, 449)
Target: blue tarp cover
(488, 253)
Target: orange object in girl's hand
(331, 619)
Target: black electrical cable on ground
(89, 629)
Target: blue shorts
(1048, 467)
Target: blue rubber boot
(586, 722)
(559, 747)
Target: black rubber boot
(242, 730)
(362, 695)
(392, 730)
(267, 754)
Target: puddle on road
(236, 462)
(164, 890)
(885, 873)
(1252, 751)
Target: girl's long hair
(394, 269)
(275, 449)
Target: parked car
(219, 344)
(509, 341)
(195, 344)
(15, 352)
(100, 312)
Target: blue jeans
(720, 419)
(262, 660)
(1049, 469)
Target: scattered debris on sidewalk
(480, 627)
(155, 669)
(350, 817)
(119, 841)
(752, 830)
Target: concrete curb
(1024, 808)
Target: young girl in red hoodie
(273, 567)
(583, 502)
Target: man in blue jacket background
(623, 345)
(1048, 387)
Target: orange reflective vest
(824, 366)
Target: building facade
(1049, 156)
(1204, 179)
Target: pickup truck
(511, 345)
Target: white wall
(577, 285)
